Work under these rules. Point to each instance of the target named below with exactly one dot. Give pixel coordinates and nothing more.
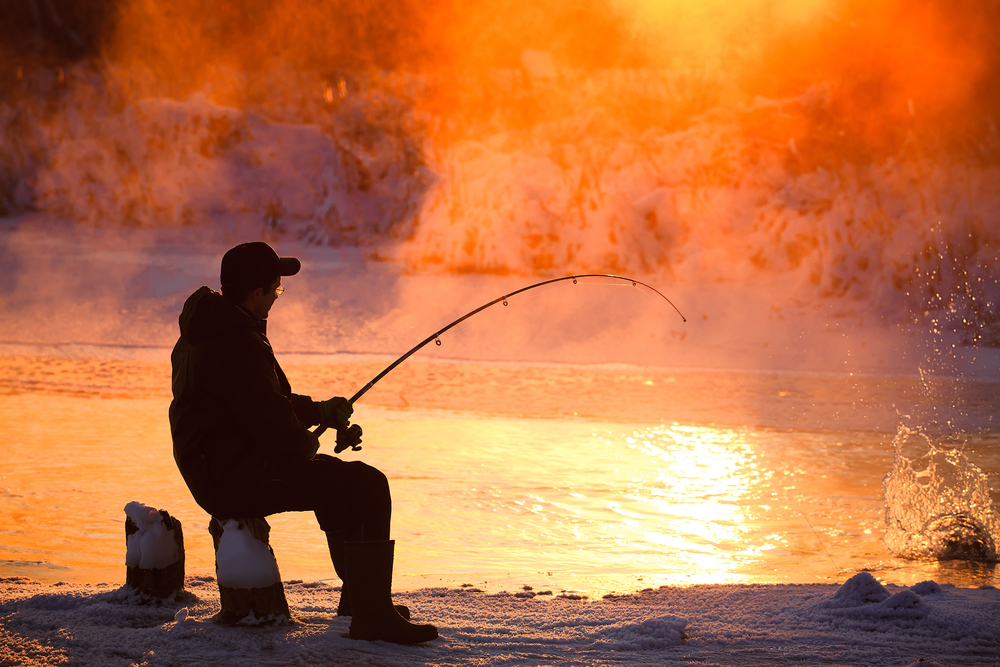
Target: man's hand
(335, 412)
(348, 437)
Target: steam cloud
(848, 143)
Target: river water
(567, 478)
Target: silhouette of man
(242, 444)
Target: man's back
(232, 419)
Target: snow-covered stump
(250, 590)
(154, 551)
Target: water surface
(589, 503)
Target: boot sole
(374, 636)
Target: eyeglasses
(279, 290)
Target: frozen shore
(859, 622)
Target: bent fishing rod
(436, 336)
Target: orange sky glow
(889, 66)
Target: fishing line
(809, 523)
(533, 297)
(505, 299)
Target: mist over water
(907, 242)
(813, 154)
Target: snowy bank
(860, 622)
(765, 189)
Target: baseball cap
(256, 264)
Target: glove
(348, 437)
(335, 412)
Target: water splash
(937, 502)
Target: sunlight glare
(694, 484)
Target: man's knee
(371, 479)
(356, 498)
(354, 478)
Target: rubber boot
(369, 571)
(344, 607)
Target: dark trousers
(350, 498)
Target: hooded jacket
(234, 419)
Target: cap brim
(288, 266)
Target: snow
(708, 625)
(242, 560)
(861, 589)
(153, 546)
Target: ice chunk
(153, 546)
(242, 560)
(860, 589)
(649, 635)
(926, 588)
(904, 599)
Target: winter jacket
(234, 419)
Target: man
(243, 447)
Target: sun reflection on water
(681, 504)
(691, 504)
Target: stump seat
(154, 561)
(250, 589)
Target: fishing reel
(348, 437)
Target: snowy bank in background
(860, 622)
(163, 162)
(765, 188)
(82, 148)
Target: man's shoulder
(208, 315)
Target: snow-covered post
(250, 590)
(154, 551)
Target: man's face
(261, 300)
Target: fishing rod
(436, 335)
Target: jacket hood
(207, 314)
